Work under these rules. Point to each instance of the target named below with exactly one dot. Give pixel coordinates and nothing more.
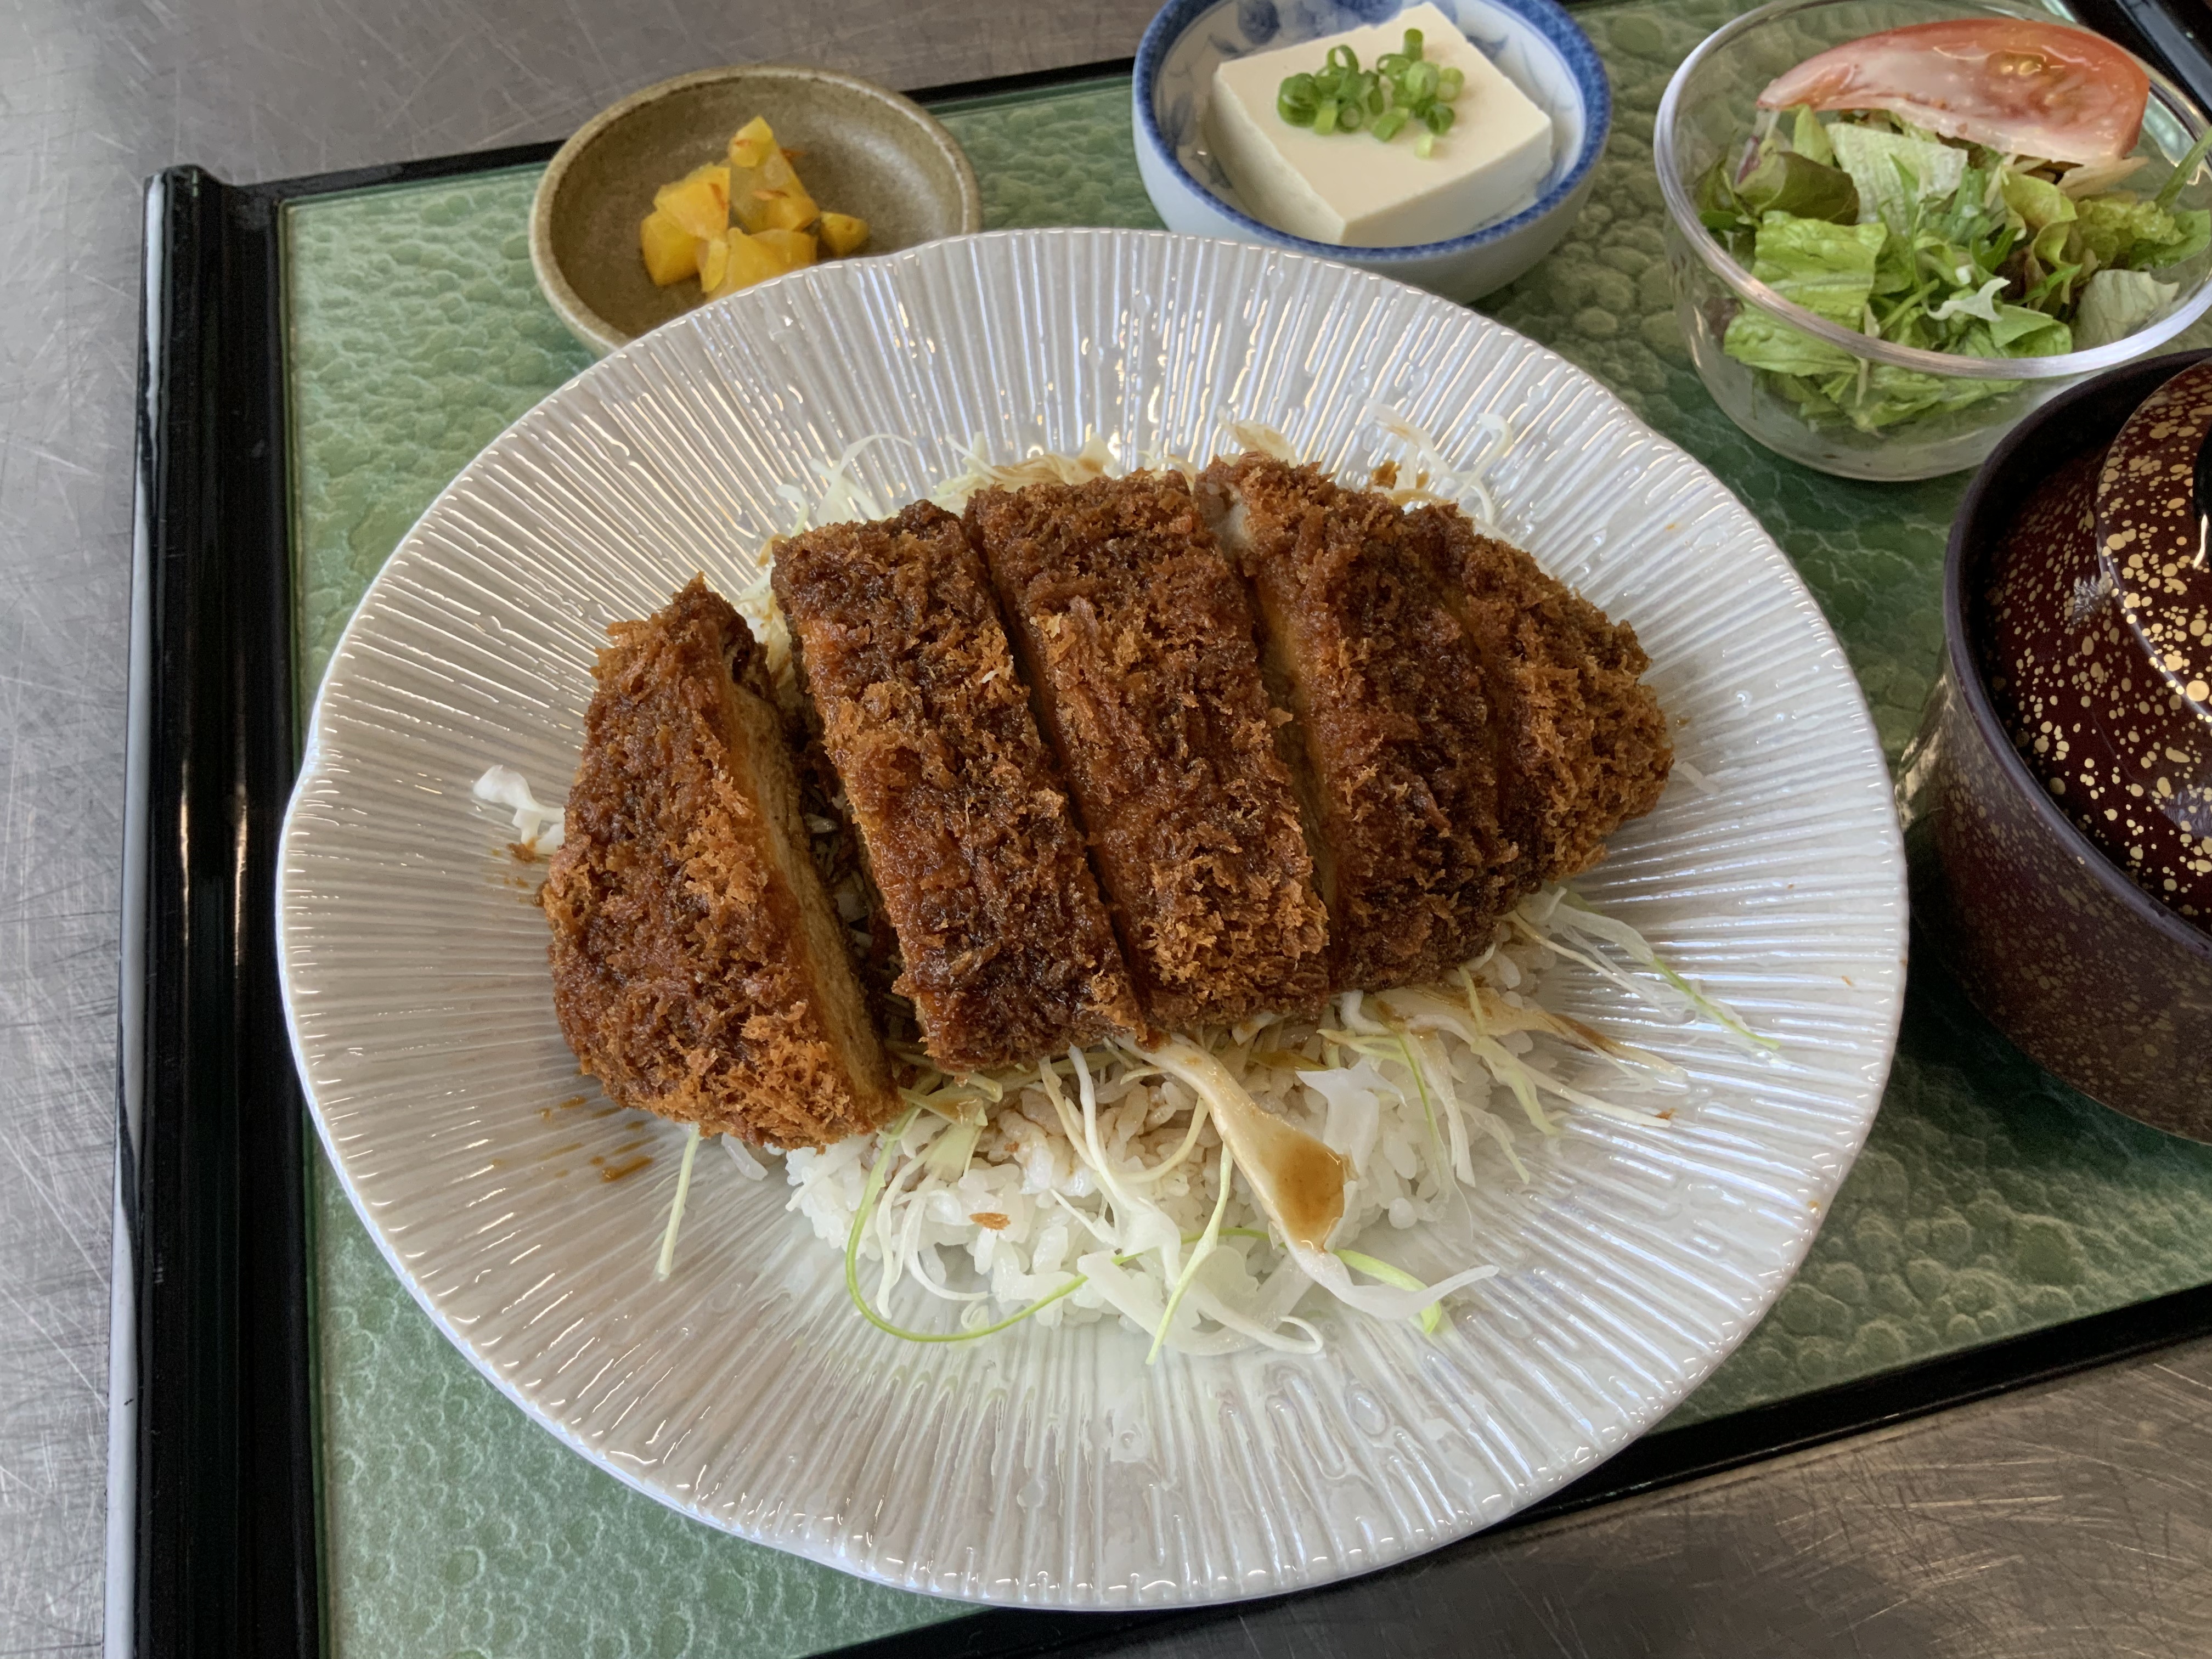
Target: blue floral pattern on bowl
(1533, 42)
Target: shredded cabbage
(666, 1265)
(1154, 1186)
(1119, 1182)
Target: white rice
(1031, 1210)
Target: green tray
(1990, 1200)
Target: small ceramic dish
(2093, 976)
(1533, 42)
(864, 150)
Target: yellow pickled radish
(842, 234)
(750, 260)
(743, 220)
(769, 195)
(699, 202)
(671, 252)
(714, 259)
(792, 248)
(751, 145)
(789, 209)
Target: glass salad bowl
(1827, 393)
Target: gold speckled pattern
(2099, 612)
(2151, 550)
(2090, 975)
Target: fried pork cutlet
(1583, 745)
(1007, 951)
(1136, 636)
(1394, 744)
(700, 970)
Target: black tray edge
(225, 1559)
(214, 516)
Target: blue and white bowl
(1533, 42)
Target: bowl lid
(2148, 656)
(2154, 528)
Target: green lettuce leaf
(1719, 211)
(1825, 268)
(1809, 138)
(2017, 331)
(1952, 251)
(2116, 303)
(1780, 181)
(2120, 228)
(1971, 303)
(2193, 227)
(1763, 342)
(2038, 201)
(2050, 245)
(1786, 182)
(1894, 174)
(1888, 396)
(1884, 397)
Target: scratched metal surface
(95, 95)
(2070, 1522)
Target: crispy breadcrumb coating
(699, 967)
(1007, 951)
(1136, 637)
(1583, 745)
(1473, 730)
(1395, 743)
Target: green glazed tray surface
(1990, 1200)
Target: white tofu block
(1351, 190)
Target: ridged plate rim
(886, 293)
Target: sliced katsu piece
(1392, 741)
(1136, 636)
(1583, 744)
(700, 970)
(974, 848)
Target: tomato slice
(2020, 87)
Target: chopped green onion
(1438, 117)
(1341, 96)
(1425, 145)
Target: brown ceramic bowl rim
(570, 305)
(1976, 509)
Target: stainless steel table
(2074, 1519)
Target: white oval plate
(1052, 1468)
